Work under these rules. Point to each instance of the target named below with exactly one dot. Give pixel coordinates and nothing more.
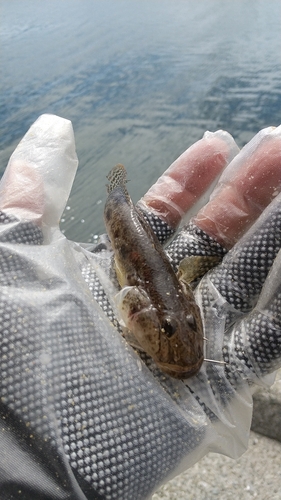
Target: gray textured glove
(82, 414)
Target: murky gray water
(140, 80)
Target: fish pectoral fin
(120, 273)
(195, 266)
(126, 276)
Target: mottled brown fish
(156, 306)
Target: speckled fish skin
(160, 311)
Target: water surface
(140, 81)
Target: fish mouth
(181, 372)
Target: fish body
(158, 309)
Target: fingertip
(21, 191)
(40, 173)
(247, 186)
(191, 176)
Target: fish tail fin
(117, 177)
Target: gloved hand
(82, 414)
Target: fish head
(173, 339)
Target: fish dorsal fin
(117, 177)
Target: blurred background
(140, 81)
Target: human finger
(187, 182)
(39, 175)
(259, 331)
(240, 302)
(247, 186)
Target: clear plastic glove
(82, 414)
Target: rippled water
(140, 80)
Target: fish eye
(169, 327)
